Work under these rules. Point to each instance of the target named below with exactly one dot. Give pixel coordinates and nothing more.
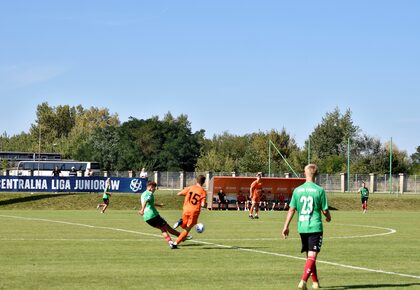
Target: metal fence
(331, 182)
(413, 184)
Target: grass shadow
(371, 286)
(30, 198)
(206, 247)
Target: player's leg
(363, 205)
(257, 210)
(159, 223)
(309, 267)
(178, 223)
(105, 206)
(314, 242)
(251, 209)
(170, 230)
(314, 276)
(257, 207)
(189, 220)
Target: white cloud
(17, 76)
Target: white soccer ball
(199, 228)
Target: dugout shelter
(275, 188)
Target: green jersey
(364, 192)
(309, 200)
(149, 210)
(106, 189)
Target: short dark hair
(152, 183)
(201, 179)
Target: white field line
(227, 246)
(78, 240)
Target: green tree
(53, 124)
(415, 162)
(248, 153)
(102, 146)
(331, 135)
(86, 122)
(157, 145)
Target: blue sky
(236, 66)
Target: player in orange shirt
(255, 195)
(195, 198)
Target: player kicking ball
(152, 217)
(195, 198)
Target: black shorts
(106, 200)
(364, 199)
(157, 222)
(311, 242)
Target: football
(199, 228)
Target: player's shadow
(371, 286)
(206, 247)
(29, 198)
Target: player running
(364, 194)
(105, 197)
(151, 215)
(309, 200)
(195, 198)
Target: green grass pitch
(83, 249)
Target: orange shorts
(256, 198)
(190, 219)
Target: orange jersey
(194, 196)
(256, 188)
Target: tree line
(169, 144)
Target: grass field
(82, 249)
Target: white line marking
(389, 231)
(226, 246)
(77, 240)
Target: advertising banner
(70, 184)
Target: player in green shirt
(309, 201)
(364, 194)
(152, 217)
(105, 196)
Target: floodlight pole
(390, 166)
(39, 146)
(269, 158)
(281, 155)
(348, 164)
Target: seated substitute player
(240, 201)
(222, 201)
(274, 202)
(263, 202)
(247, 202)
(152, 216)
(195, 199)
(279, 202)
